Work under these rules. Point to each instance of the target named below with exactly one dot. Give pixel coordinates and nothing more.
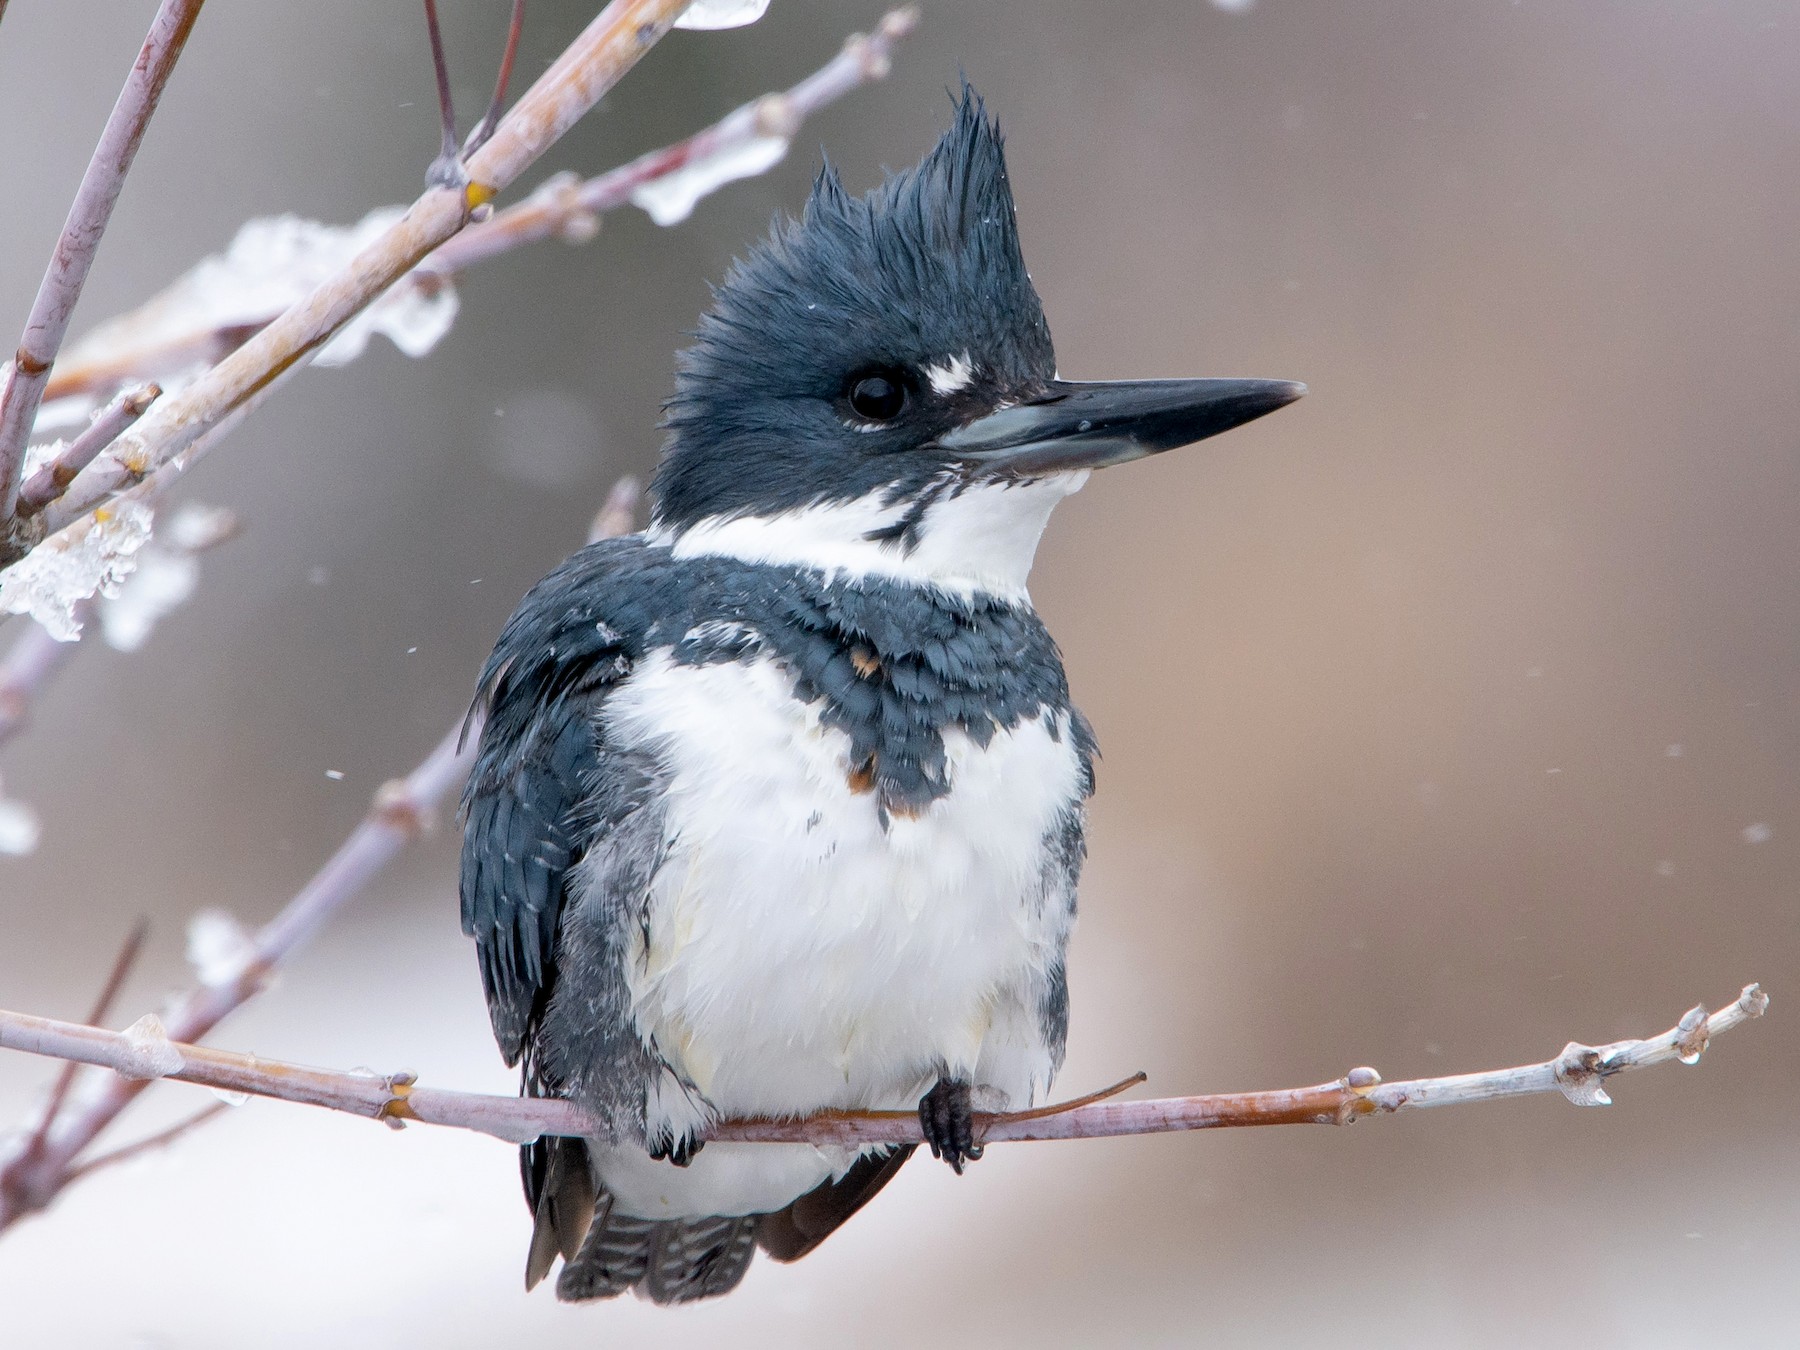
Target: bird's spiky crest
(922, 268)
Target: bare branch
(184, 425)
(49, 482)
(1576, 1073)
(491, 119)
(446, 170)
(81, 233)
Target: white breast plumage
(800, 952)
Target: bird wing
(528, 811)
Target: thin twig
(183, 426)
(1578, 1073)
(491, 118)
(80, 239)
(50, 481)
(446, 170)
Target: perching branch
(183, 426)
(88, 215)
(146, 1051)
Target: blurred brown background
(1435, 710)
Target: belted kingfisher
(779, 805)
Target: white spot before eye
(953, 376)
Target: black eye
(878, 397)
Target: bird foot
(678, 1150)
(947, 1118)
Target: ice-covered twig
(397, 1098)
(38, 653)
(88, 215)
(50, 481)
(182, 426)
(402, 809)
(565, 207)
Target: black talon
(947, 1120)
(680, 1151)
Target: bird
(779, 805)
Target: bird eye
(878, 397)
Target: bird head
(874, 389)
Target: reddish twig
(50, 481)
(483, 129)
(1579, 1073)
(80, 239)
(446, 169)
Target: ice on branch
(149, 1053)
(45, 452)
(219, 948)
(52, 581)
(671, 199)
(272, 263)
(707, 14)
(168, 569)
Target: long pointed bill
(1089, 426)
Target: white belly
(800, 955)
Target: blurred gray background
(1435, 710)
